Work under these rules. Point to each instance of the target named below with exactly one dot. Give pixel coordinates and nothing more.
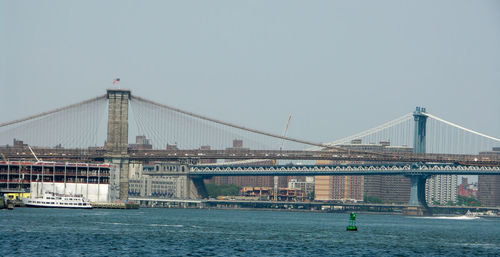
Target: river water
(203, 232)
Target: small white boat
(53, 200)
(470, 214)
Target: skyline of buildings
(388, 189)
(391, 189)
(440, 189)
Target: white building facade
(441, 189)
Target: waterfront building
(441, 189)
(338, 188)
(88, 179)
(307, 186)
(150, 183)
(267, 193)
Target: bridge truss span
(406, 169)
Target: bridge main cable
(237, 126)
(460, 127)
(53, 111)
(386, 125)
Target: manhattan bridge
(98, 130)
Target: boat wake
(463, 217)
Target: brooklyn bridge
(418, 145)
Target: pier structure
(89, 180)
(176, 178)
(327, 206)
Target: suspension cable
(460, 127)
(379, 128)
(53, 111)
(236, 126)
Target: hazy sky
(339, 67)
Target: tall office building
(322, 188)
(141, 143)
(441, 189)
(389, 189)
(489, 190)
(340, 188)
(489, 185)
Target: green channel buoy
(352, 222)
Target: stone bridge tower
(117, 142)
(117, 150)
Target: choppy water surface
(179, 232)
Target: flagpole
(117, 81)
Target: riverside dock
(115, 205)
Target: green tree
(310, 195)
(467, 201)
(222, 190)
(372, 199)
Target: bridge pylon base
(118, 183)
(417, 211)
(197, 189)
(417, 205)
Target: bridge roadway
(408, 169)
(98, 154)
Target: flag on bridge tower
(116, 81)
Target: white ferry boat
(53, 200)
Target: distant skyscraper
(341, 188)
(489, 186)
(489, 190)
(322, 188)
(141, 143)
(389, 189)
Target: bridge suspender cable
(53, 111)
(236, 126)
(322, 146)
(460, 127)
(386, 125)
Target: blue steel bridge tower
(420, 125)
